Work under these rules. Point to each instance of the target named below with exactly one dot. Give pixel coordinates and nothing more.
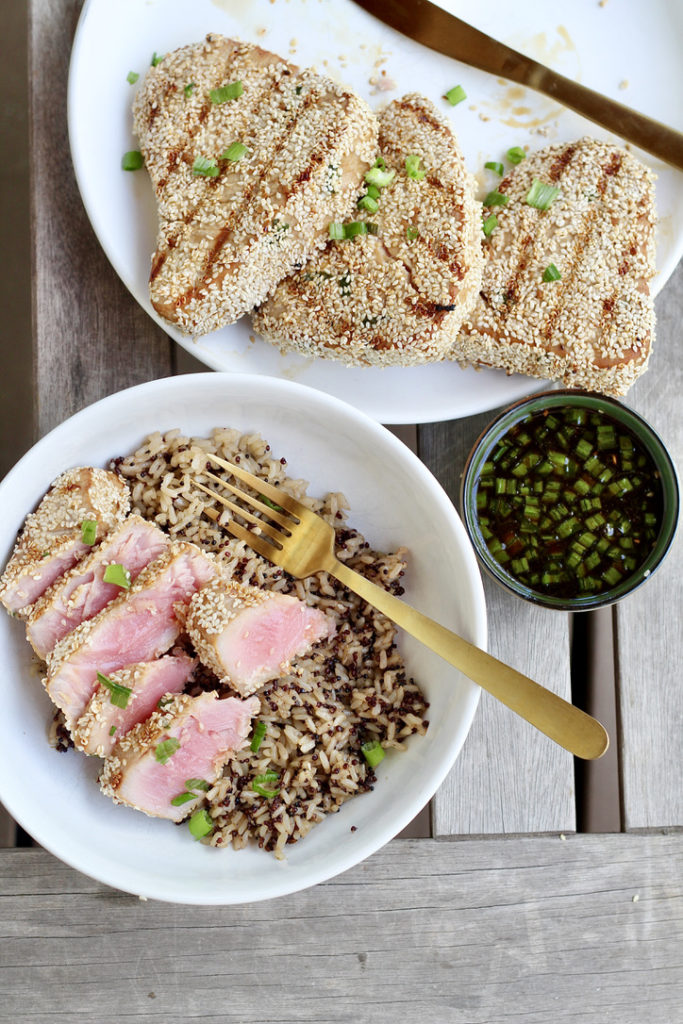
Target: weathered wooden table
(527, 898)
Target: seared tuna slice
(51, 541)
(162, 760)
(248, 636)
(138, 626)
(82, 593)
(130, 696)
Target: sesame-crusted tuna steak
(51, 541)
(138, 626)
(81, 593)
(248, 636)
(594, 326)
(250, 159)
(189, 740)
(397, 297)
(130, 696)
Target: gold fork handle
(567, 725)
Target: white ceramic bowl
(394, 500)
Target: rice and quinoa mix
(347, 691)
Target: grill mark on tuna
(251, 190)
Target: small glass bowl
(642, 432)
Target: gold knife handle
(644, 132)
(567, 725)
(430, 25)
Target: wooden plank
(509, 778)
(478, 932)
(90, 336)
(649, 625)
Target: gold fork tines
(304, 544)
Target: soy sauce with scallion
(569, 502)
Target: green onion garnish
(336, 231)
(541, 196)
(489, 224)
(373, 752)
(132, 160)
(379, 175)
(355, 227)
(496, 199)
(89, 531)
(516, 155)
(235, 152)
(270, 504)
(257, 738)
(226, 92)
(118, 695)
(166, 749)
(455, 95)
(551, 273)
(411, 234)
(118, 575)
(492, 165)
(183, 798)
(259, 785)
(373, 192)
(189, 89)
(197, 784)
(132, 77)
(112, 730)
(368, 203)
(201, 823)
(157, 59)
(413, 167)
(341, 232)
(205, 167)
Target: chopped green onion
(259, 785)
(496, 199)
(235, 152)
(411, 234)
(336, 231)
(257, 738)
(493, 165)
(197, 784)
(516, 155)
(118, 575)
(368, 203)
(132, 77)
(455, 95)
(379, 175)
(373, 191)
(132, 160)
(270, 504)
(205, 167)
(373, 752)
(166, 749)
(112, 730)
(356, 227)
(118, 695)
(489, 224)
(89, 531)
(189, 89)
(540, 195)
(201, 823)
(226, 92)
(183, 798)
(157, 59)
(551, 273)
(412, 167)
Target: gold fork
(302, 543)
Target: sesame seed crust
(52, 534)
(594, 328)
(224, 241)
(391, 299)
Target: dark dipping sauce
(569, 502)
